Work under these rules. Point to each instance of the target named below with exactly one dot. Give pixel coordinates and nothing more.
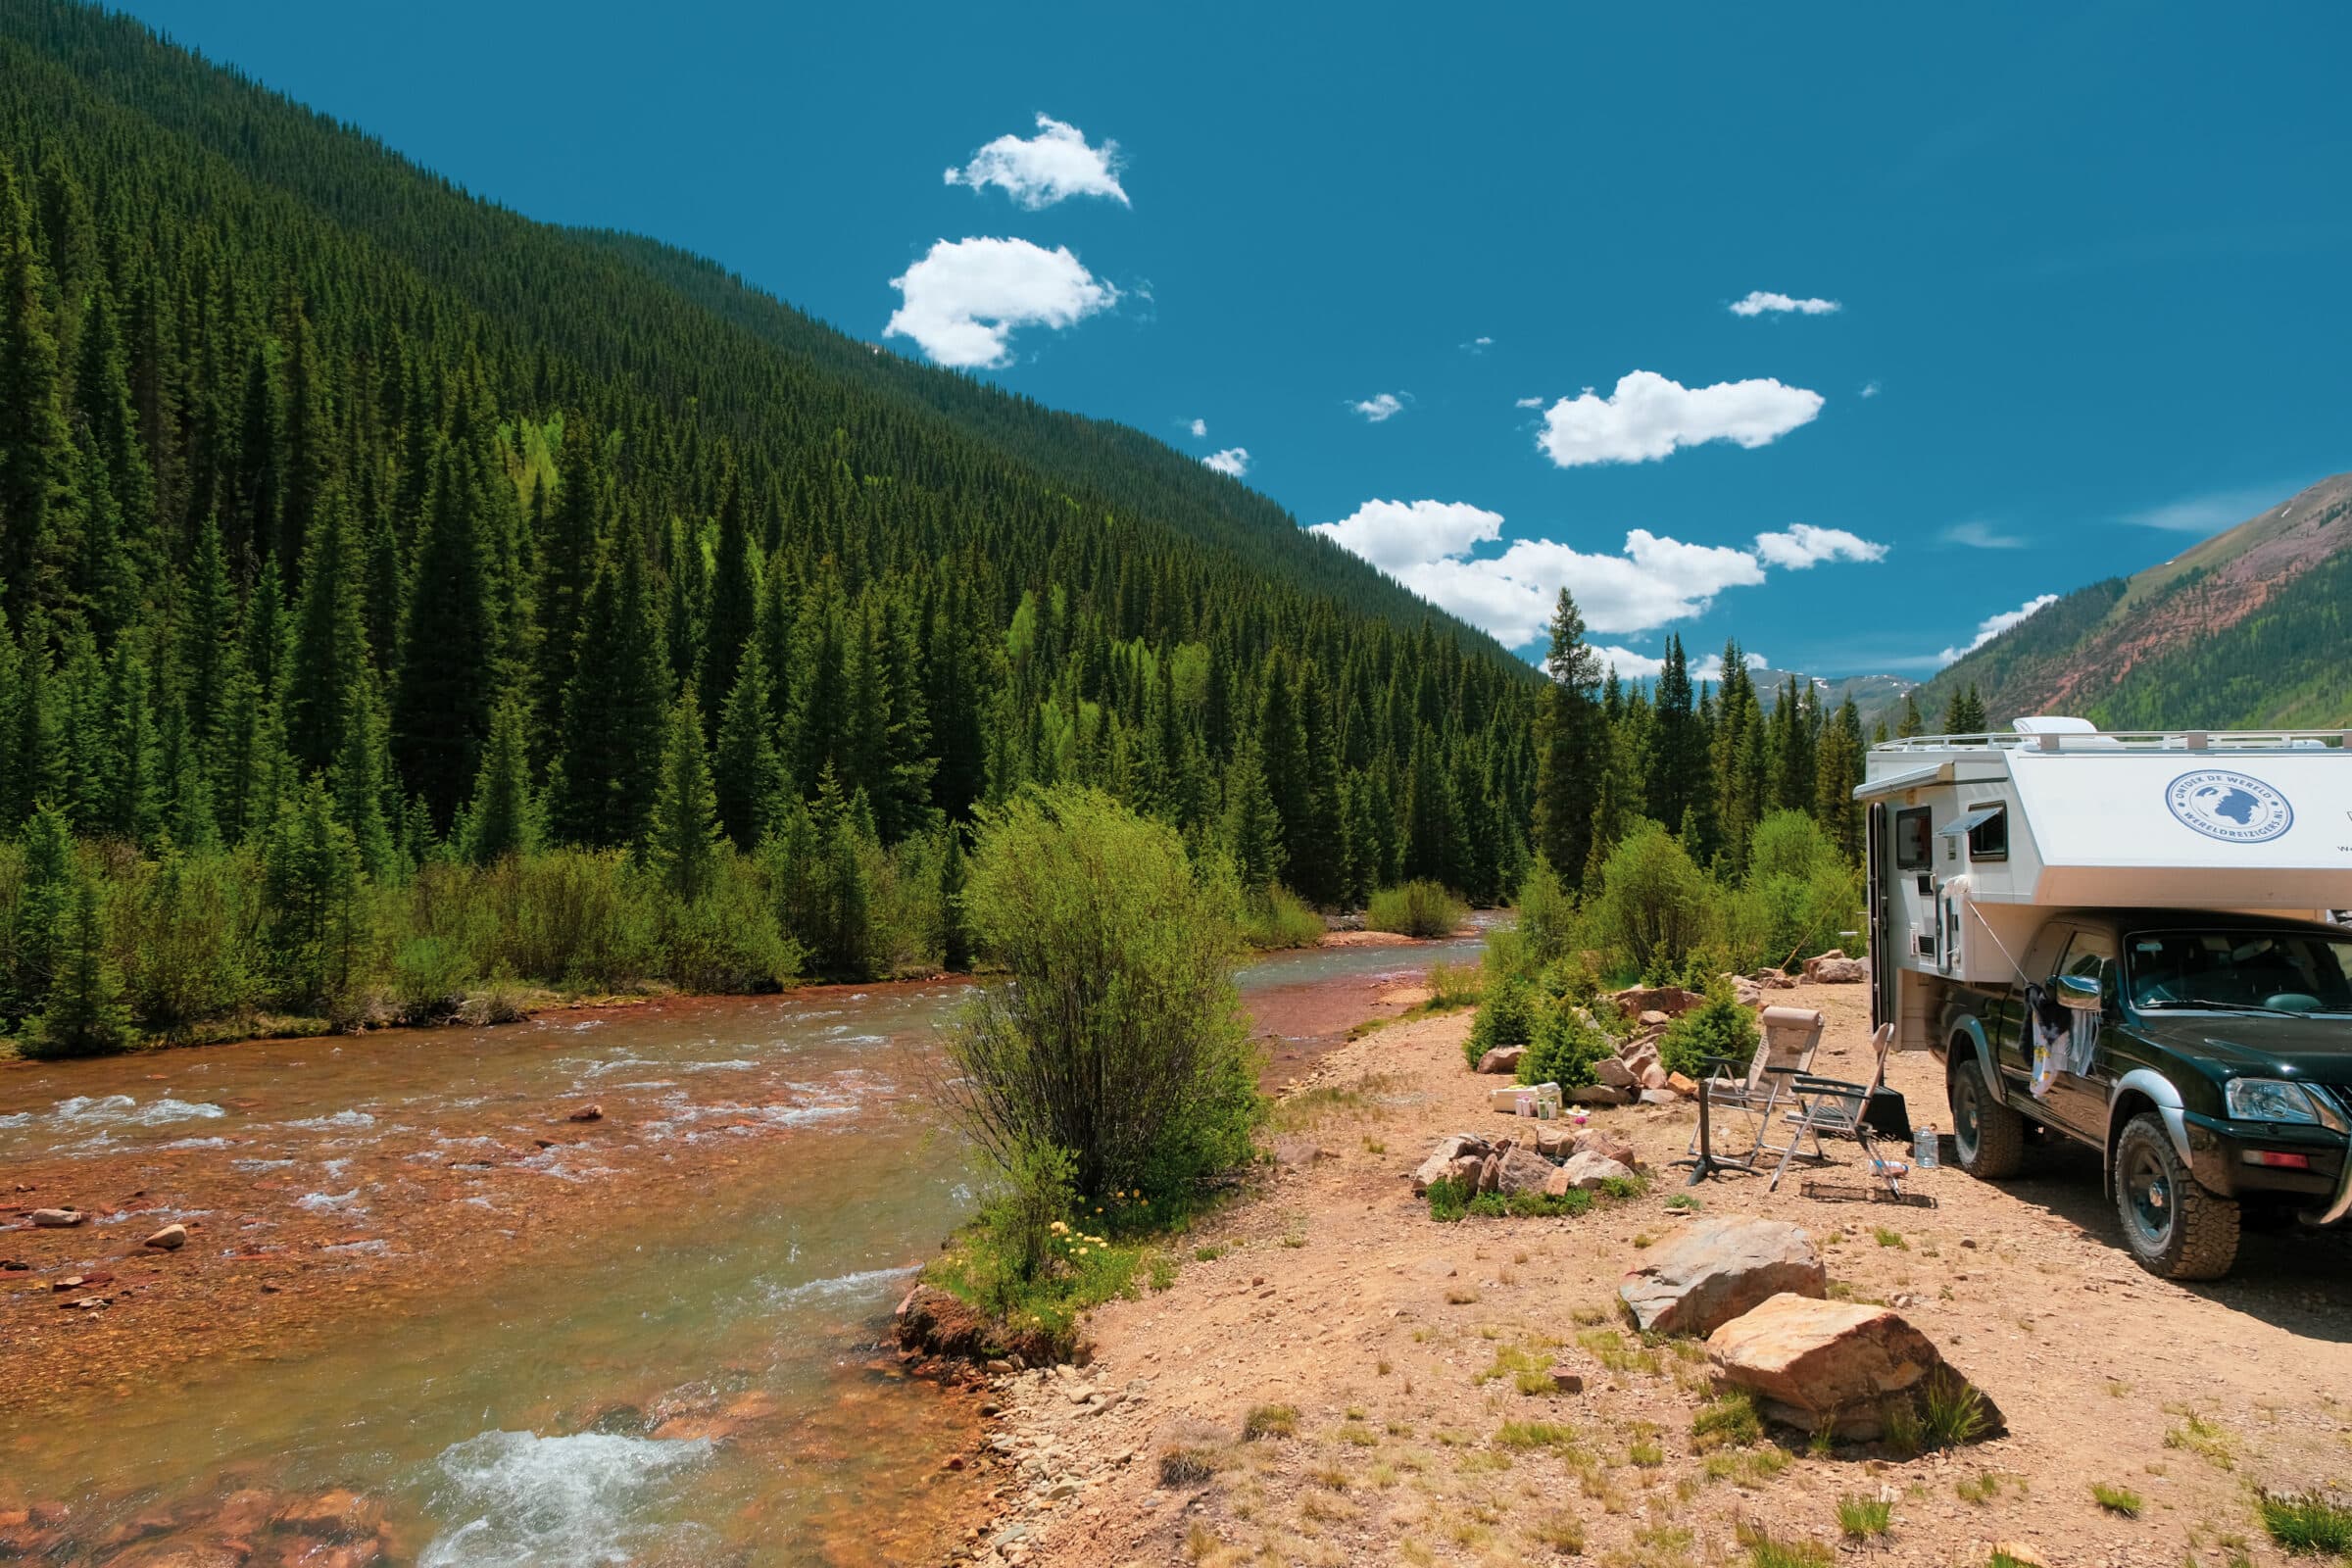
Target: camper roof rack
(2085, 741)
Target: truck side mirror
(2078, 991)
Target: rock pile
(1835, 969)
(1551, 1159)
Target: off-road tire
(2195, 1233)
(1988, 1136)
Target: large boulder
(1718, 1268)
(1522, 1170)
(1835, 969)
(1606, 1143)
(1616, 1074)
(1440, 1164)
(1584, 1173)
(1502, 1058)
(1815, 1363)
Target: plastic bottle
(1924, 1151)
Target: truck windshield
(2232, 971)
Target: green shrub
(1421, 908)
(1121, 1038)
(1563, 1049)
(1452, 986)
(1547, 916)
(1449, 1200)
(1273, 917)
(429, 978)
(1656, 905)
(1716, 1027)
(1506, 1016)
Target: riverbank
(1359, 1340)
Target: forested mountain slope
(2247, 628)
(262, 323)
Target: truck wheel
(2177, 1229)
(1990, 1137)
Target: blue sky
(2089, 263)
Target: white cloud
(1233, 461)
(1428, 546)
(1803, 545)
(1648, 417)
(1051, 165)
(963, 300)
(1527, 403)
(2209, 513)
(1869, 389)
(1642, 666)
(1977, 535)
(1384, 406)
(1992, 627)
(1394, 536)
(1477, 345)
(1759, 301)
(1199, 427)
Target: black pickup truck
(2215, 1073)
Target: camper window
(1912, 842)
(1989, 834)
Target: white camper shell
(1976, 840)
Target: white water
(527, 1500)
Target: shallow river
(693, 1380)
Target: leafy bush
(1563, 1049)
(1120, 1038)
(1547, 916)
(1656, 905)
(430, 976)
(1273, 917)
(1420, 908)
(1454, 985)
(1716, 1027)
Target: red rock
(338, 1515)
(587, 1114)
(1718, 1268)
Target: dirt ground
(1334, 1295)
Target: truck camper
(2135, 941)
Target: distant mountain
(1873, 695)
(2250, 628)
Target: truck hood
(2317, 1049)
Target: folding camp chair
(1836, 1108)
(1791, 1035)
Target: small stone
(1655, 1019)
(1654, 1076)
(171, 1238)
(1585, 1173)
(1681, 1085)
(1614, 1074)
(587, 1114)
(1660, 1096)
(57, 1219)
(1501, 1059)
(1566, 1379)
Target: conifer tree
(734, 602)
(1838, 770)
(130, 805)
(1912, 723)
(310, 886)
(329, 658)
(1253, 824)
(503, 817)
(682, 842)
(1966, 714)
(615, 707)
(449, 669)
(83, 1013)
(1570, 746)
(746, 773)
(362, 778)
(43, 903)
(37, 449)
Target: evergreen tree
(1911, 723)
(682, 840)
(503, 817)
(1965, 715)
(449, 670)
(37, 448)
(1838, 770)
(734, 603)
(362, 778)
(310, 886)
(746, 773)
(1570, 746)
(615, 707)
(83, 1013)
(44, 902)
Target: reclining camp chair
(1785, 1053)
(1835, 1107)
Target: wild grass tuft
(2116, 1499)
(1863, 1518)
(1730, 1421)
(1534, 1435)
(1187, 1467)
(1765, 1551)
(2306, 1522)
(1270, 1421)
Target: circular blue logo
(2229, 806)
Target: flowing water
(685, 1375)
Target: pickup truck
(2218, 1090)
